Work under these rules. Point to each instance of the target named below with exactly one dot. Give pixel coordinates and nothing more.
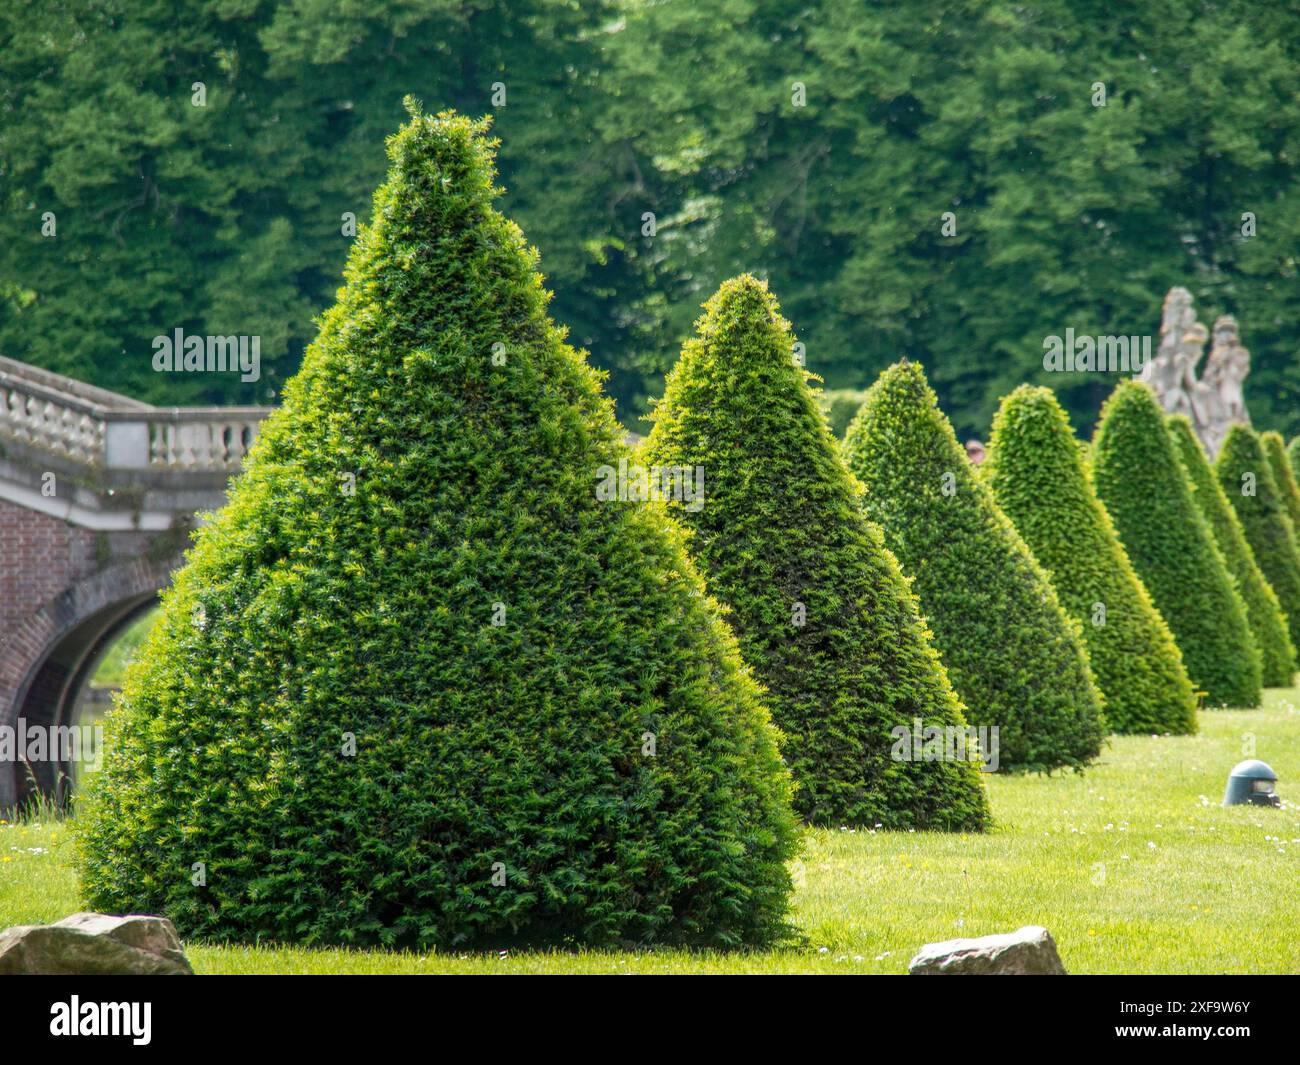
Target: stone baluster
(25, 420)
(158, 445)
(49, 427)
(15, 413)
(68, 441)
(91, 433)
(240, 437)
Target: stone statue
(1166, 372)
(1214, 401)
(1190, 391)
(1225, 370)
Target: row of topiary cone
(419, 683)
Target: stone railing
(94, 427)
(42, 418)
(189, 438)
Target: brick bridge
(98, 493)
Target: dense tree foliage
(925, 108)
(823, 614)
(1141, 483)
(1263, 611)
(1247, 479)
(418, 683)
(1038, 471)
(820, 145)
(840, 405)
(228, 217)
(1017, 662)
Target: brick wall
(39, 557)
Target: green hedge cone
(819, 605)
(1280, 465)
(1263, 611)
(1246, 476)
(1037, 470)
(417, 685)
(1141, 483)
(1017, 662)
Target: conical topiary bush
(1037, 471)
(818, 603)
(1141, 483)
(1280, 466)
(1293, 456)
(1247, 479)
(1017, 662)
(417, 683)
(1263, 611)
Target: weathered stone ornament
(1028, 951)
(1221, 399)
(1215, 401)
(94, 944)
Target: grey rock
(1029, 951)
(94, 944)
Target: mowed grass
(1133, 866)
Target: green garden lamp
(1251, 781)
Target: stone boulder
(94, 944)
(1029, 951)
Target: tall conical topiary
(1247, 479)
(822, 612)
(417, 683)
(1293, 456)
(1263, 611)
(1280, 466)
(1037, 471)
(1141, 483)
(1017, 662)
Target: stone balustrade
(97, 428)
(34, 415)
(203, 437)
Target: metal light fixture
(1251, 781)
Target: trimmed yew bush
(1293, 455)
(1140, 481)
(1039, 477)
(1247, 479)
(1280, 466)
(1263, 611)
(1016, 661)
(417, 684)
(819, 605)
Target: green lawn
(1133, 866)
(111, 670)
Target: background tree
(1141, 483)
(821, 610)
(1247, 479)
(229, 217)
(820, 145)
(1017, 662)
(418, 684)
(1263, 611)
(1038, 473)
(1172, 121)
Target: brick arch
(46, 657)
